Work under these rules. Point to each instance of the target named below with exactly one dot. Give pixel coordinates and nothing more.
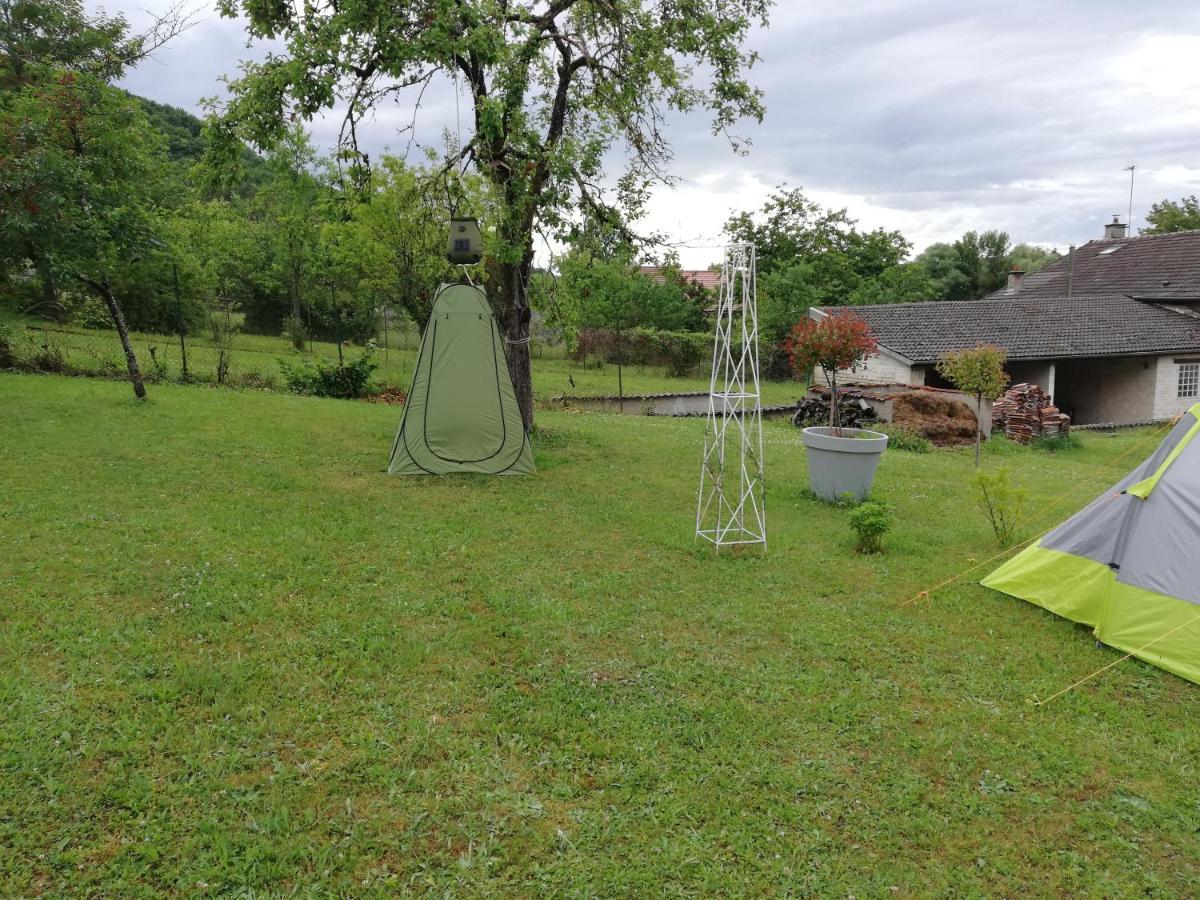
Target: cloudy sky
(930, 116)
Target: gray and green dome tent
(461, 414)
(1129, 564)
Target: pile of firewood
(1025, 412)
(813, 410)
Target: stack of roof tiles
(1025, 412)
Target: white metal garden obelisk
(732, 506)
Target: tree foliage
(1168, 216)
(554, 87)
(812, 256)
(978, 371)
(81, 185)
(969, 268)
(836, 342)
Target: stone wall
(1120, 391)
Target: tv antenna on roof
(1131, 169)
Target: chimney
(1015, 279)
(1115, 229)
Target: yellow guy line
(925, 594)
(1101, 671)
(1090, 476)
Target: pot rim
(850, 441)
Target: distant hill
(186, 143)
(184, 131)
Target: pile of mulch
(946, 422)
(390, 396)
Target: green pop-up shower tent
(461, 414)
(1129, 564)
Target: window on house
(1189, 380)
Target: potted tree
(840, 460)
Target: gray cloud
(930, 116)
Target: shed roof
(1159, 266)
(1055, 328)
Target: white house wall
(1167, 402)
(1119, 391)
(1040, 373)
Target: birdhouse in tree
(466, 243)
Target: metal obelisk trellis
(732, 507)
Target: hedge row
(680, 352)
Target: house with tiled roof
(1111, 331)
(705, 278)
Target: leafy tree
(81, 186)
(343, 309)
(785, 295)
(38, 35)
(600, 293)
(553, 87)
(1029, 257)
(836, 342)
(970, 268)
(1169, 216)
(829, 258)
(404, 232)
(906, 283)
(40, 39)
(290, 207)
(978, 371)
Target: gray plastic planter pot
(843, 465)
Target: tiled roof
(1083, 326)
(1160, 266)
(702, 277)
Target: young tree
(290, 204)
(1168, 216)
(81, 184)
(835, 343)
(978, 371)
(553, 86)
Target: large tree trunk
(118, 317)
(515, 312)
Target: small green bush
(49, 358)
(870, 521)
(295, 332)
(901, 438)
(1001, 501)
(90, 312)
(7, 358)
(328, 379)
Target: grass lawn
(235, 657)
(255, 360)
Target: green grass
(255, 362)
(235, 657)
